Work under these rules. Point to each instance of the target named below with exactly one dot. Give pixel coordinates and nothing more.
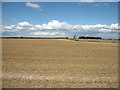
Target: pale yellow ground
(55, 63)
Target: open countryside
(60, 63)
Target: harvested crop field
(59, 63)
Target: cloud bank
(57, 28)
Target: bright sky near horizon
(60, 19)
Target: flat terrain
(52, 63)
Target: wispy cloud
(14, 19)
(106, 5)
(34, 5)
(1, 21)
(96, 4)
(87, 0)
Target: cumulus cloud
(54, 24)
(23, 24)
(47, 33)
(54, 27)
(19, 27)
(8, 27)
(33, 5)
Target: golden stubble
(58, 63)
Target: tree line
(83, 37)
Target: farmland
(63, 63)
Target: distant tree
(83, 37)
(66, 37)
(21, 36)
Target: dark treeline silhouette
(83, 37)
(37, 37)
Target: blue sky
(60, 19)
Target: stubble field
(53, 63)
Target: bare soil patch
(49, 63)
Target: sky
(60, 19)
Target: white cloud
(24, 24)
(54, 27)
(105, 30)
(38, 26)
(19, 27)
(47, 33)
(54, 24)
(9, 27)
(33, 5)
(114, 26)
